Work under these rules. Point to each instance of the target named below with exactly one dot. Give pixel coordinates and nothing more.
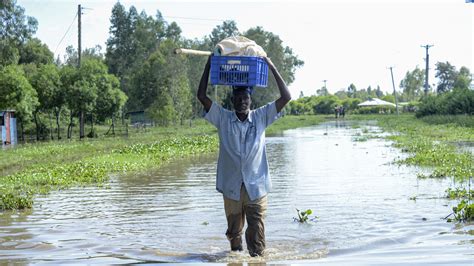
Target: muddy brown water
(361, 198)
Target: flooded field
(370, 211)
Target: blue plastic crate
(239, 71)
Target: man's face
(242, 102)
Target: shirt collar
(249, 117)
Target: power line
(208, 19)
(73, 20)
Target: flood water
(174, 214)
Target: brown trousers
(254, 211)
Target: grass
(431, 142)
(430, 145)
(460, 120)
(290, 121)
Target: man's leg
(235, 222)
(255, 233)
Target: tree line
(451, 96)
(137, 72)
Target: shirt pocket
(252, 132)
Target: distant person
(242, 168)
(336, 111)
(342, 111)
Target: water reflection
(174, 214)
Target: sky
(340, 41)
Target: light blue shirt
(242, 156)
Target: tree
(162, 110)
(173, 32)
(15, 30)
(148, 82)
(33, 51)
(378, 92)
(118, 55)
(71, 57)
(176, 73)
(14, 24)
(16, 93)
(362, 94)
(342, 95)
(325, 104)
(83, 86)
(412, 84)
(194, 70)
(69, 76)
(110, 100)
(322, 92)
(389, 98)
(446, 73)
(47, 84)
(220, 32)
(9, 54)
(351, 91)
(463, 78)
(162, 85)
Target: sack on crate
(238, 46)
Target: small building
(8, 127)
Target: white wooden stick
(191, 52)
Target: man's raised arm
(201, 94)
(285, 95)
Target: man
(242, 168)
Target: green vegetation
(459, 101)
(463, 212)
(459, 193)
(291, 121)
(304, 216)
(434, 146)
(18, 189)
(32, 169)
(457, 120)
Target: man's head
(241, 99)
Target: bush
(325, 104)
(411, 107)
(455, 102)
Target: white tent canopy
(376, 102)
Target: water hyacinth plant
(17, 190)
(304, 216)
(463, 212)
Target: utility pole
(79, 13)
(427, 59)
(394, 91)
(81, 113)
